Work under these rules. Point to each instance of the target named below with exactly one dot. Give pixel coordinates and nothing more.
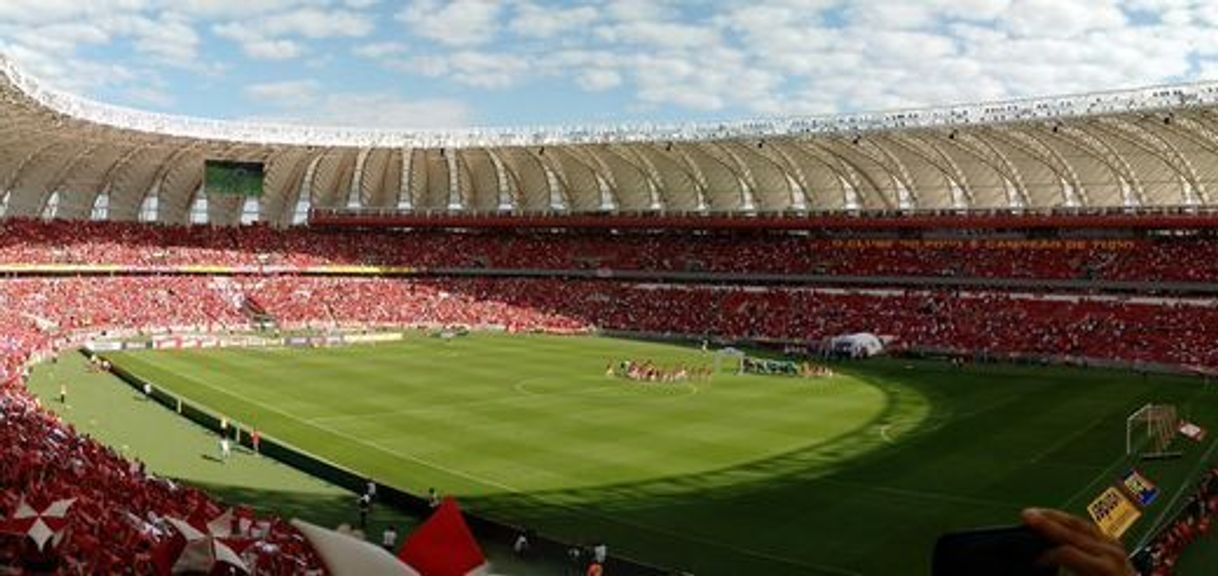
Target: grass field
(109, 410)
(855, 474)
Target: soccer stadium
(806, 345)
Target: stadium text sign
(1113, 512)
(1140, 488)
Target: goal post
(1149, 431)
(734, 358)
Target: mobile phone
(1005, 551)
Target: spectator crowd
(119, 521)
(1160, 556)
(1179, 259)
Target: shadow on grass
(860, 503)
(328, 510)
(331, 510)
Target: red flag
(443, 545)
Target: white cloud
(272, 37)
(379, 50)
(315, 23)
(730, 57)
(234, 9)
(1057, 19)
(598, 80)
(455, 22)
(272, 49)
(287, 94)
(155, 97)
(44, 11)
(472, 68)
(68, 73)
(380, 110)
(168, 40)
(536, 21)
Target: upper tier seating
(141, 245)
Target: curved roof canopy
(67, 157)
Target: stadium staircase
(260, 319)
(232, 292)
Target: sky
(525, 63)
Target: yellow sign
(1113, 512)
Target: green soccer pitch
(852, 474)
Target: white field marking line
(505, 487)
(932, 496)
(411, 410)
(1105, 474)
(1068, 438)
(519, 387)
(884, 433)
(1186, 486)
(356, 439)
(522, 387)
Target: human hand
(1080, 546)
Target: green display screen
(234, 178)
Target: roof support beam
(507, 199)
(857, 174)
(1081, 138)
(1027, 143)
(892, 165)
(925, 148)
(644, 165)
(778, 156)
(560, 197)
(846, 177)
(1155, 144)
(993, 156)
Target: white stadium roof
(67, 157)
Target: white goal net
(1149, 431)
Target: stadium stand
(31, 242)
(118, 518)
(1195, 520)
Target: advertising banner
(1113, 512)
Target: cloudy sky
(435, 63)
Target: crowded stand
(1161, 556)
(117, 519)
(1182, 332)
(1161, 331)
(135, 245)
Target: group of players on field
(648, 371)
